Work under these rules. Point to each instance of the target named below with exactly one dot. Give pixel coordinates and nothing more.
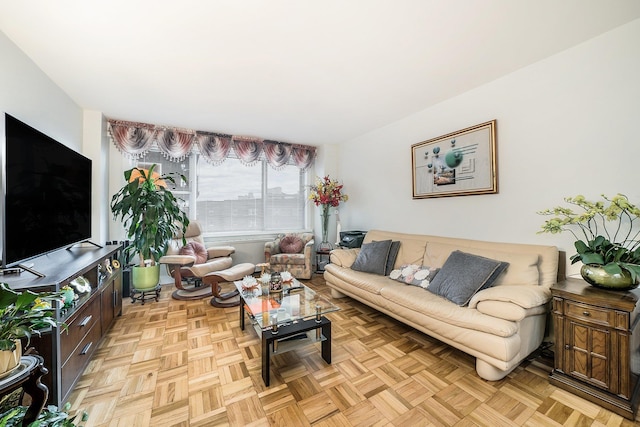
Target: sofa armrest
(344, 257)
(271, 248)
(512, 302)
(307, 248)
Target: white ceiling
(291, 70)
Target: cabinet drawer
(589, 313)
(78, 328)
(73, 368)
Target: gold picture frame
(461, 163)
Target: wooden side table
(596, 353)
(27, 375)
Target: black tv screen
(47, 194)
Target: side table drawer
(78, 328)
(589, 313)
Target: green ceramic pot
(145, 278)
(596, 275)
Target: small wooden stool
(231, 274)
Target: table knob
(586, 313)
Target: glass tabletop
(295, 302)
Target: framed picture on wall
(457, 164)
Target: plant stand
(145, 295)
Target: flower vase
(325, 245)
(596, 276)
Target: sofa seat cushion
(416, 299)
(295, 259)
(369, 282)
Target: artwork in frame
(457, 164)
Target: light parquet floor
(185, 363)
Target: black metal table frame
(269, 336)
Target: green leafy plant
(606, 232)
(23, 314)
(51, 416)
(150, 211)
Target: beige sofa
(500, 326)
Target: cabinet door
(588, 353)
(107, 306)
(117, 294)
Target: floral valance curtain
(135, 139)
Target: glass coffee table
(286, 320)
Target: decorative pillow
(391, 260)
(413, 274)
(463, 274)
(372, 257)
(195, 249)
(291, 245)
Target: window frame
(250, 235)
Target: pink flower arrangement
(327, 192)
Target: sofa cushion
(195, 249)
(372, 257)
(391, 260)
(291, 244)
(294, 259)
(412, 302)
(523, 267)
(464, 274)
(414, 275)
(411, 249)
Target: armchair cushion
(195, 249)
(291, 244)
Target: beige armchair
(189, 263)
(291, 252)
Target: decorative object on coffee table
(607, 243)
(326, 193)
(275, 283)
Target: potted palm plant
(607, 239)
(22, 314)
(152, 215)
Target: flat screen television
(46, 194)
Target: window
(232, 198)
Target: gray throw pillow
(372, 257)
(391, 259)
(463, 274)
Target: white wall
(30, 95)
(566, 125)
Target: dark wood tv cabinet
(67, 353)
